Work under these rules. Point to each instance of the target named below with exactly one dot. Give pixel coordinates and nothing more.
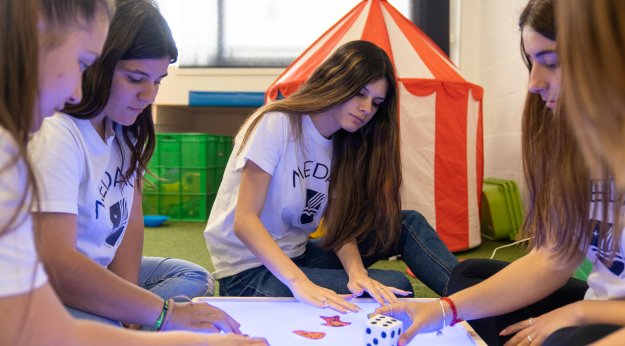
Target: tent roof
(413, 53)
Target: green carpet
(185, 240)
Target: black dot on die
(393, 320)
(368, 330)
(375, 341)
(374, 322)
(383, 335)
(392, 334)
(385, 325)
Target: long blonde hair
(365, 178)
(591, 42)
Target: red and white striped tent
(440, 117)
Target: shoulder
(277, 118)
(60, 125)
(59, 136)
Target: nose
(148, 93)
(365, 106)
(537, 82)
(76, 95)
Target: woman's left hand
(535, 330)
(378, 291)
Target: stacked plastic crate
(188, 168)
(501, 214)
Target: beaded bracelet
(159, 321)
(454, 311)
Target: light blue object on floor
(154, 220)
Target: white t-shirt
(20, 270)
(296, 198)
(605, 282)
(79, 173)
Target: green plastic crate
(190, 167)
(583, 270)
(501, 214)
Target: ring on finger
(323, 301)
(529, 338)
(531, 321)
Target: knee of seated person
(199, 278)
(412, 216)
(399, 280)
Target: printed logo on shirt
(119, 219)
(314, 200)
(311, 169)
(618, 264)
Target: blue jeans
(167, 278)
(418, 244)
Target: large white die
(382, 330)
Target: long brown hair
(591, 36)
(558, 183)
(365, 178)
(20, 44)
(137, 31)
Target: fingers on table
(338, 303)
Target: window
(251, 33)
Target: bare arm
(527, 280)
(82, 283)
(250, 230)
(48, 323)
(531, 278)
(85, 285)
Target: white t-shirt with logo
(21, 270)
(296, 198)
(605, 282)
(79, 173)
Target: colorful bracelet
(170, 311)
(159, 321)
(454, 311)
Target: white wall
(485, 44)
(489, 55)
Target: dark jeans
(474, 271)
(419, 246)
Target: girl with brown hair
(90, 160)
(45, 45)
(534, 300)
(329, 150)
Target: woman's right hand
(306, 291)
(425, 317)
(201, 317)
(234, 340)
